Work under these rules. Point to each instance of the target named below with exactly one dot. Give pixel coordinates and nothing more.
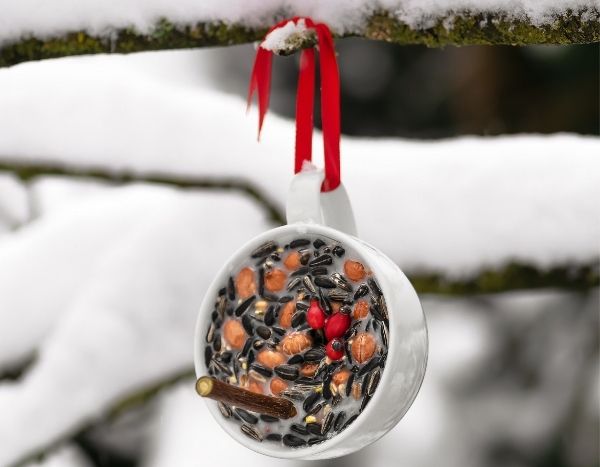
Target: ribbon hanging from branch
(260, 82)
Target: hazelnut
(340, 376)
(285, 316)
(275, 280)
(270, 358)
(309, 368)
(295, 342)
(361, 310)
(363, 347)
(292, 261)
(354, 270)
(234, 334)
(277, 386)
(245, 284)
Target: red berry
(337, 325)
(315, 316)
(335, 349)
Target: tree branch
(460, 28)
(510, 276)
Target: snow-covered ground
(18, 19)
(105, 282)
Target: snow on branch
(29, 32)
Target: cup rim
(305, 452)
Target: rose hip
(337, 325)
(335, 349)
(315, 316)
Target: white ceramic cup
(330, 215)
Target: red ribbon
(260, 82)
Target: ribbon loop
(260, 82)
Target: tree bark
(461, 28)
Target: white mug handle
(306, 203)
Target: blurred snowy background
(126, 181)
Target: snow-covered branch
(89, 29)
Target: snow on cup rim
(408, 343)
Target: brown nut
(361, 310)
(309, 368)
(275, 280)
(295, 342)
(340, 376)
(270, 358)
(354, 270)
(363, 347)
(234, 334)
(292, 261)
(277, 386)
(245, 285)
(285, 316)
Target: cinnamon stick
(217, 390)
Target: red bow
(260, 82)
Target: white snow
(278, 38)
(44, 19)
(453, 206)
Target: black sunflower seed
(364, 402)
(300, 272)
(217, 342)
(244, 305)
(313, 441)
(263, 331)
(293, 441)
(273, 437)
(247, 324)
(341, 282)
(295, 282)
(327, 388)
(384, 335)
(376, 313)
(261, 369)
(310, 401)
(325, 282)
(229, 311)
(349, 385)
(327, 423)
(270, 297)
(325, 304)
(361, 291)
(301, 306)
(375, 287)
(309, 284)
(268, 418)
(298, 358)
(373, 363)
(224, 409)
(285, 299)
(314, 428)
(300, 429)
(278, 330)
(336, 400)
(318, 243)
(261, 281)
(299, 242)
(246, 416)
(298, 318)
(258, 344)
(207, 355)
(222, 291)
(323, 260)
(251, 432)
(214, 315)
(339, 421)
(247, 347)
(230, 289)
(317, 336)
(210, 335)
(373, 382)
(226, 356)
(319, 271)
(315, 409)
(338, 251)
(337, 296)
(288, 372)
(250, 357)
(314, 354)
(264, 250)
(348, 351)
(305, 380)
(349, 421)
(269, 318)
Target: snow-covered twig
(457, 23)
